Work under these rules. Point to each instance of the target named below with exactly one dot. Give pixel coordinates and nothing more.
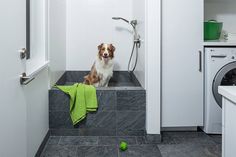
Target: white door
(182, 76)
(13, 106)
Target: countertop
(228, 92)
(219, 43)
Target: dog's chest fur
(104, 71)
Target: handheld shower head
(133, 23)
(120, 18)
(136, 42)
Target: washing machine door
(226, 76)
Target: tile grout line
(77, 150)
(97, 137)
(59, 141)
(118, 151)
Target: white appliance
(220, 69)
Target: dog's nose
(105, 55)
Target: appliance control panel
(222, 53)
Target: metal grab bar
(24, 80)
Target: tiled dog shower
(121, 112)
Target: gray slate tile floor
(174, 144)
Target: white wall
(89, 23)
(36, 97)
(57, 39)
(222, 11)
(36, 92)
(38, 34)
(139, 14)
(153, 65)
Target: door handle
(218, 56)
(24, 80)
(23, 53)
(200, 61)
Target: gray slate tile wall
(120, 113)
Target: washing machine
(220, 70)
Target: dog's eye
(103, 49)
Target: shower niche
(122, 106)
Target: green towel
(83, 99)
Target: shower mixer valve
(137, 40)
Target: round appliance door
(226, 76)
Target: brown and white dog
(102, 69)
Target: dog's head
(106, 52)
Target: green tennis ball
(123, 146)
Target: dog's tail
(87, 80)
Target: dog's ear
(100, 46)
(113, 48)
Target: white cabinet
(229, 128)
(228, 121)
(182, 76)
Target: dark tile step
(120, 78)
(122, 100)
(122, 110)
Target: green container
(212, 30)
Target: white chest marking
(104, 71)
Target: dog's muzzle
(105, 55)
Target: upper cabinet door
(182, 77)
